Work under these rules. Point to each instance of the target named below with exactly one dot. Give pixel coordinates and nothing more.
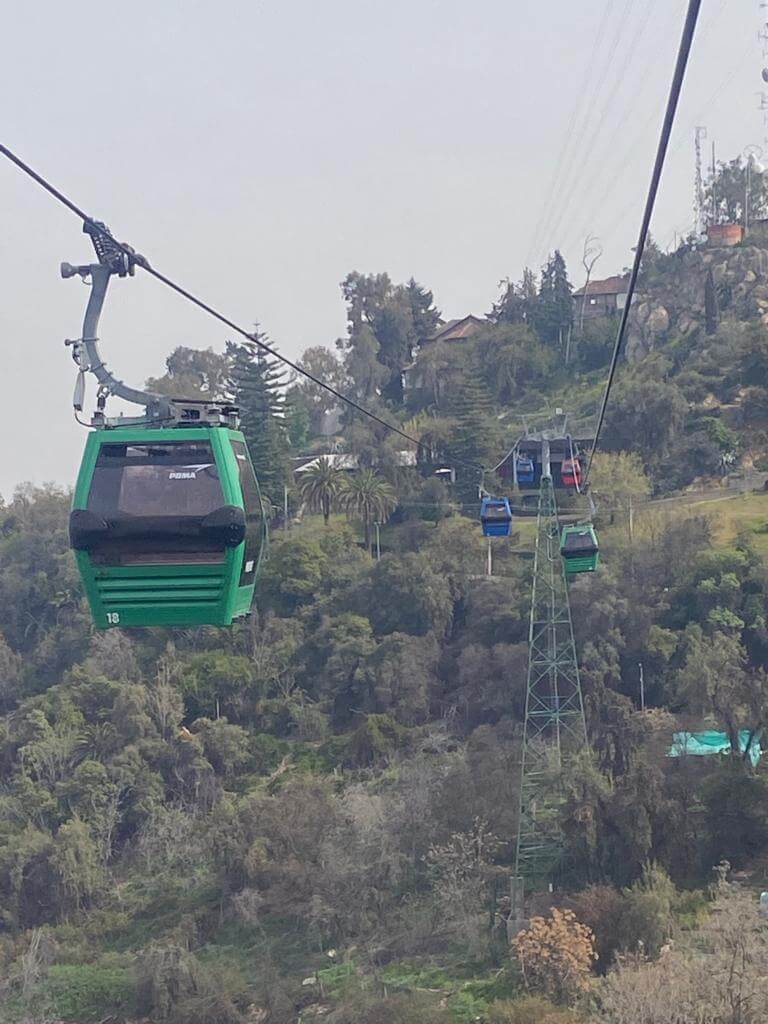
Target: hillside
(313, 816)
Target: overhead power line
(581, 108)
(252, 338)
(684, 52)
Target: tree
(365, 494)
(407, 595)
(517, 304)
(387, 322)
(711, 311)
(426, 316)
(729, 190)
(362, 365)
(646, 411)
(77, 866)
(256, 385)
(293, 575)
(618, 481)
(320, 486)
(401, 675)
(720, 974)
(713, 680)
(554, 308)
(194, 373)
(556, 955)
(476, 441)
(322, 363)
(512, 357)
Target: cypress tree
(257, 383)
(476, 438)
(711, 310)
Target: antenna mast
(762, 36)
(699, 211)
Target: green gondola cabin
(579, 548)
(168, 526)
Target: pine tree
(554, 308)
(477, 436)
(517, 303)
(257, 386)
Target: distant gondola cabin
(579, 548)
(570, 473)
(496, 517)
(525, 470)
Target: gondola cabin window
(173, 479)
(253, 514)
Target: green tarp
(700, 744)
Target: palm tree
(320, 486)
(368, 496)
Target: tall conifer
(257, 385)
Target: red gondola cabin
(570, 473)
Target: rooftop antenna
(699, 211)
(762, 36)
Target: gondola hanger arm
(112, 259)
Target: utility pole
(642, 686)
(714, 176)
(285, 507)
(489, 563)
(762, 35)
(631, 518)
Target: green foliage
(530, 1010)
(293, 574)
(729, 188)
(386, 322)
(553, 315)
(194, 373)
(333, 782)
(91, 992)
(320, 486)
(368, 496)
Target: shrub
(530, 1010)
(556, 955)
(85, 992)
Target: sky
(259, 150)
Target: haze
(258, 152)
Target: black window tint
(253, 514)
(171, 479)
(496, 512)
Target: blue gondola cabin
(496, 517)
(525, 470)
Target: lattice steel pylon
(555, 727)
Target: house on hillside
(722, 236)
(602, 298)
(459, 329)
(345, 462)
(453, 332)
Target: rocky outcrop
(673, 305)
